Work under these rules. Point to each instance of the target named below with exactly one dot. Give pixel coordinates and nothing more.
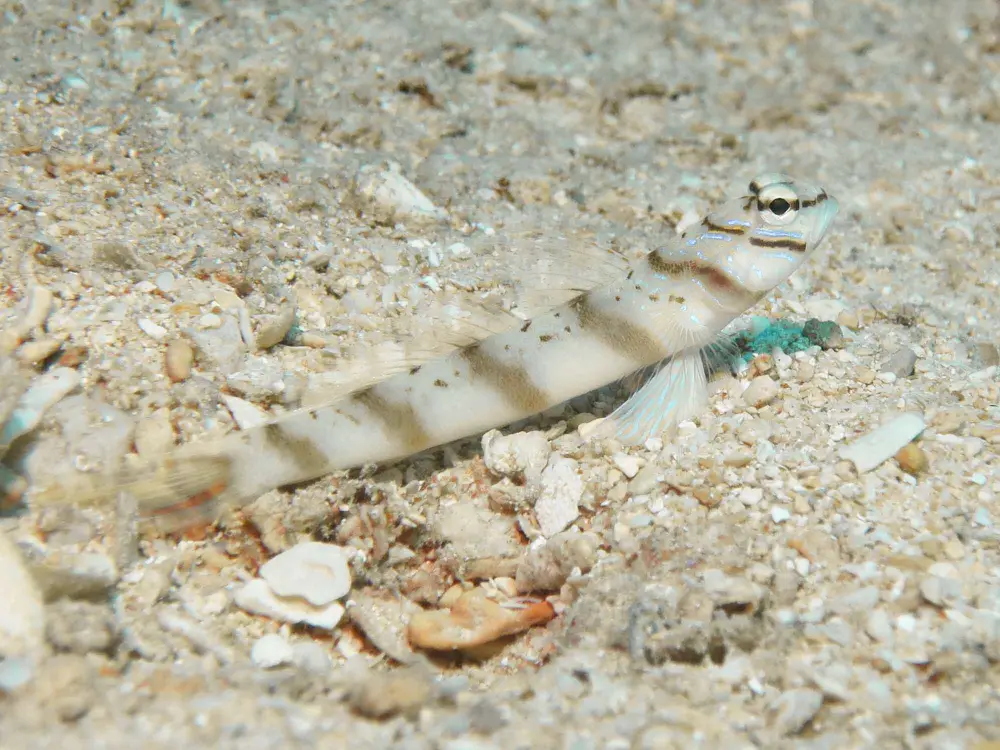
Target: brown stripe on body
(400, 420)
(512, 382)
(785, 243)
(618, 332)
(717, 279)
(670, 268)
(301, 451)
(734, 229)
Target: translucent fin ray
(678, 390)
(174, 493)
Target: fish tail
(177, 492)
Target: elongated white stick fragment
(882, 443)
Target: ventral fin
(677, 391)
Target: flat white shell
(316, 572)
(257, 598)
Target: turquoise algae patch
(764, 335)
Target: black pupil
(778, 206)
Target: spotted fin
(678, 390)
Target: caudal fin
(177, 492)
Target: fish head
(764, 236)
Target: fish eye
(778, 204)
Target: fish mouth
(827, 212)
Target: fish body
(669, 306)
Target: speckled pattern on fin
(678, 390)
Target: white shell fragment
(884, 442)
(257, 598)
(301, 585)
(390, 197)
(47, 390)
(153, 330)
(526, 452)
(316, 572)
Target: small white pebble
(628, 465)
(271, 651)
(801, 566)
(762, 390)
(785, 617)
(751, 495)
(906, 623)
(779, 514)
(686, 428)
(210, 320)
(152, 329)
(978, 478)
(887, 377)
(166, 282)
(754, 430)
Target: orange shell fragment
(474, 620)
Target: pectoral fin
(677, 391)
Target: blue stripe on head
(778, 233)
